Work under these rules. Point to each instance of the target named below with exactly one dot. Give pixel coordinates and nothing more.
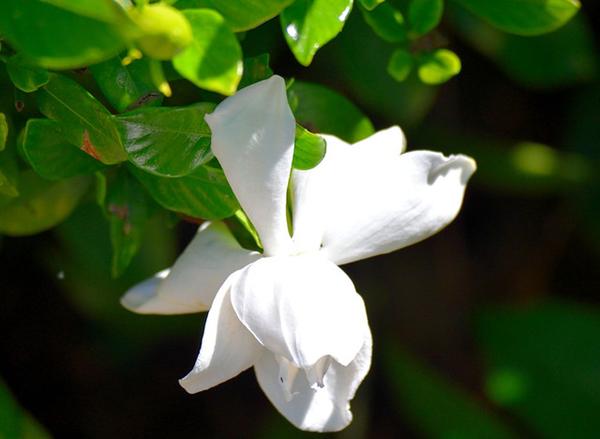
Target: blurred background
(489, 329)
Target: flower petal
(369, 203)
(319, 409)
(253, 139)
(227, 347)
(196, 276)
(302, 308)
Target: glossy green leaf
(543, 364)
(532, 61)
(255, 69)
(387, 22)
(203, 194)
(50, 155)
(41, 204)
(524, 17)
(3, 131)
(126, 87)
(438, 66)
(56, 36)
(15, 422)
(167, 141)
(400, 65)
(242, 14)
(308, 24)
(370, 4)
(84, 121)
(128, 207)
(214, 58)
(424, 15)
(24, 76)
(309, 149)
(435, 406)
(322, 110)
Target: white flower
(291, 312)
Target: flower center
(288, 372)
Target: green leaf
(240, 15)
(41, 204)
(126, 87)
(56, 36)
(128, 207)
(370, 4)
(9, 176)
(203, 194)
(167, 141)
(543, 364)
(84, 121)
(387, 22)
(532, 61)
(434, 405)
(3, 131)
(24, 76)
(308, 24)
(214, 58)
(438, 66)
(15, 422)
(309, 149)
(524, 17)
(255, 69)
(50, 155)
(324, 111)
(424, 15)
(400, 65)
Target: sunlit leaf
(242, 14)
(309, 149)
(438, 66)
(309, 24)
(214, 58)
(84, 121)
(167, 141)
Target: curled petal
(227, 347)
(302, 308)
(253, 139)
(322, 408)
(373, 203)
(195, 278)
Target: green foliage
(543, 364)
(50, 155)
(438, 66)
(169, 142)
(324, 111)
(242, 14)
(41, 204)
(309, 149)
(16, 423)
(387, 22)
(84, 121)
(3, 131)
(61, 35)
(524, 17)
(309, 24)
(424, 15)
(370, 4)
(9, 176)
(24, 76)
(400, 65)
(214, 59)
(436, 406)
(126, 87)
(204, 193)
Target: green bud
(164, 30)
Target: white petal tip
(188, 385)
(140, 297)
